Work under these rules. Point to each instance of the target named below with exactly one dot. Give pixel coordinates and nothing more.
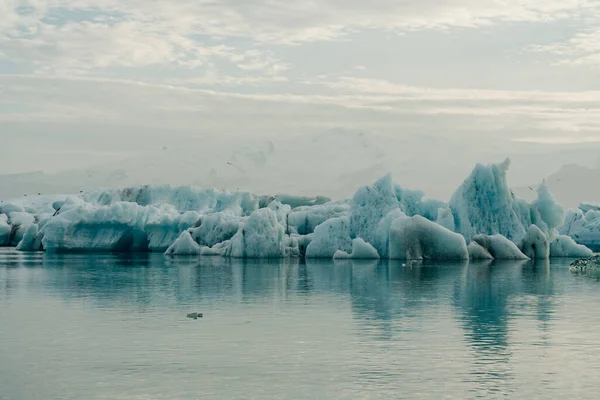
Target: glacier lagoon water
(115, 326)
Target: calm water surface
(115, 327)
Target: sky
(422, 88)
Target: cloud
(141, 32)
(377, 105)
(559, 140)
(580, 50)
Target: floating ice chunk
(478, 252)
(535, 244)
(329, 237)
(417, 238)
(184, 245)
(360, 250)
(5, 230)
(31, 240)
(564, 246)
(484, 204)
(260, 236)
(499, 247)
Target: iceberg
(417, 238)
(535, 244)
(484, 204)
(478, 252)
(380, 220)
(583, 226)
(564, 246)
(497, 246)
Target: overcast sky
(448, 82)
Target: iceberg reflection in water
(115, 326)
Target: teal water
(115, 327)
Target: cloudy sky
(440, 84)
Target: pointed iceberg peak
(505, 165)
(385, 184)
(484, 204)
(551, 213)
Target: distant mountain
(571, 185)
(17, 185)
(333, 164)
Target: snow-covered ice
(382, 219)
